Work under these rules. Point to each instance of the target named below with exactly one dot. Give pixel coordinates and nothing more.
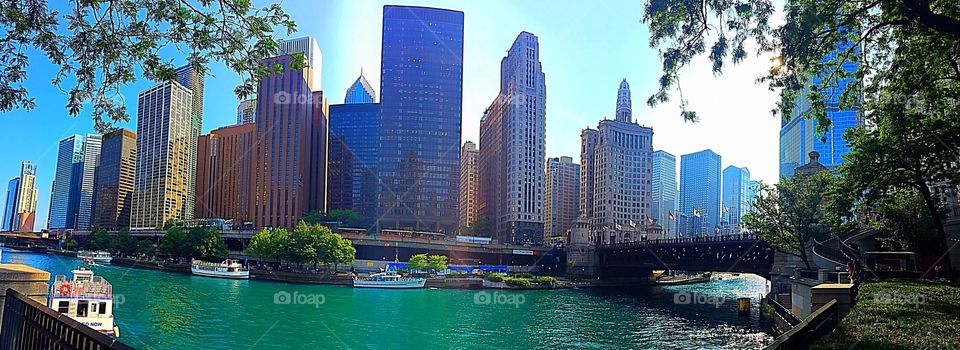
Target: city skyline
(573, 104)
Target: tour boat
(98, 256)
(89, 261)
(227, 269)
(389, 279)
(86, 298)
(679, 280)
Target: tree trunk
(938, 224)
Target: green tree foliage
(124, 243)
(175, 243)
(437, 262)
(70, 244)
(99, 239)
(481, 227)
(145, 247)
(312, 217)
(305, 244)
(262, 245)
(100, 46)
(346, 216)
(207, 244)
(907, 222)
(788, 215)
(418, 262)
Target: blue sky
(586, 49)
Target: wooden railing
(28, 325)
(808, 331)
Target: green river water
(164, 310)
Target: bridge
(725, 253)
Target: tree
(481, 227)
(145, 247)
(207, 244)
(303, 244)
(99, 46)
(312, 217)
(788, 215)
(100, 240)
(70, 244)
(905, 219)
(346, 253)
(418, 262)
(437, 262)
(262, 245)
(124, 242)
(346, 216)
(175, 243)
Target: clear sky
(587, 47)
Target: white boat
(85, 298)
(97, 256)
(389, 279)
(227, 269)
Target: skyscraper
(113, 183)
(91, 160)
(621, 177)
(588, 155)
(65, 195)
(360, 92)
(313, 57)
(291, 133)
(421, 100)
(225, 173)
(469, 182)
(192, 80)
(736, 194)
(162, 181)
(700, 191)
(20, 209)
(247, 112)
(562, 188)
(353, 159)
(512, 147)
(665, 191)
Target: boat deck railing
(28, 324)
(97, 287)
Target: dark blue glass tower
(700, 191)
(421, 100)
(353, 159)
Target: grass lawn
(905, 314)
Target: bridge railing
(28, 324)
(685, 240)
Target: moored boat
(227, 269)
(97, 255)
(85, 298)
(684, 279)
(389, 279)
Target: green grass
(904, 314)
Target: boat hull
(241, 275)
(404, 284)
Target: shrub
(495, 277)
(546, 281)
(517, 282)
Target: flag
(673, 217)
(619, 227)
(633, 224)
(696, 213)
(725, 209)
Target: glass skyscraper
(65, 196)
(360, 92)
(665, 190)
(421, 100)
(700, 191)
(736, 194)
(353, 159)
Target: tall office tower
(700, 191)
(162, 188)
(113, 183)
(360, 92)
(312, 56)
(665, 191)
(799, 137)
(10, 205)
(512, 147)
(621, 176)
(562, 201)
(91, 160)
(588, 155)
(20, 209)
(469, 182)
(193, 80)
(736, 194)
(353, 159)
(291, 150)
(421, 99)
(247, 112)
(225, 173)
(624, 104)
(752, 192)
(65, 196)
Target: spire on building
(360, 91)
(624, 105)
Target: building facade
(289, 177)
(360, 92)
(10, 205)
(65, 195)
(512, 146)
(700, 191)
(313, 57)
(225, 173)
(353, 159)
(622, 175)
(736, 195)
(562, 197)
(113, 182)
(469, 183)
(91, 160)
(247, 112)
(162, 179)
(190, 78)
(20, 208)
(420, 119)
(665, 191)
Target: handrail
(811, 329)
(28, 324)
(705, 239)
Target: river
(165, 310)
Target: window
(63, 307)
